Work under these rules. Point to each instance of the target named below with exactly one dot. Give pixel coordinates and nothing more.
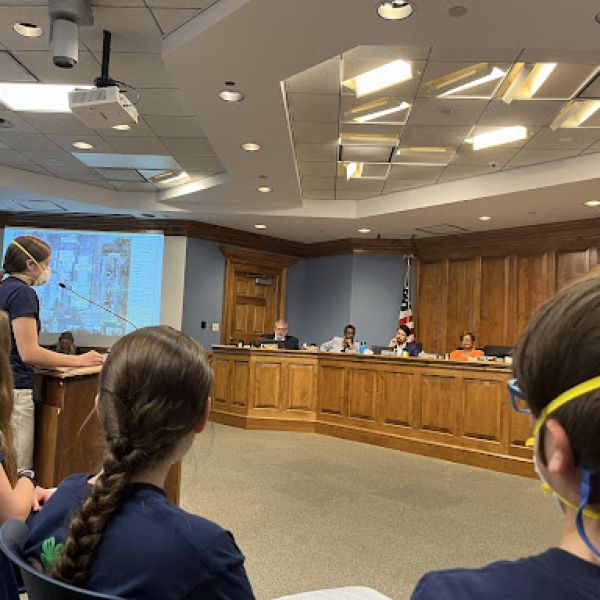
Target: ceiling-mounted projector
(103, 108)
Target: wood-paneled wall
(492, 296)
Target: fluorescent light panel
(504, 135)
(575, 114)
(380, 78)
(38, 97)
(353, 170)
(381, 113)
(528, 81)
(494, 74)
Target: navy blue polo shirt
(19, 299)
(553, 575)
(150, 550)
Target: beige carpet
(310, 511)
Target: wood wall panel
(332, 389)
(436, 415)
(493, 321)
(533, 286)
(362, 394)
(482, 409)
(241, 379)
(222, 381)
(570, 266)
(462, 309)
(267, 384)
(300, 384)
(432, 290)
(397, 398)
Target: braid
(90, 521)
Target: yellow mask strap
(579, 390)
(25, 252)
(587, 511)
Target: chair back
(38, 585)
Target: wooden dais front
(448, 410)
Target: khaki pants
(23, 427)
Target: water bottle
(362, 347)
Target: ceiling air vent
(444, 229)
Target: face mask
(44, 277)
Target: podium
(68, 436)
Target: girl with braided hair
(115, 532)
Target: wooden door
(254, 295)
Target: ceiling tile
(405, 89)
(117, 2)
(564, 81)
(12, 71)
(137, 145)
(415, 172)
(470, 54)
(40, 64)
(75, 173)
(139, 70)
(318, 183)
(535, 157)
(498, 155)
(443, 111)
(530, 113)
(206, 165)
(52, 159)
(321, 108)
(20, 124)
(462, 172)
(59, 123)
(317, 169)
(421, 135)
(169, 126)
(132, 29)
(306, 132)
(37, 15)
(374, 56)
(591, 150)
(170, 19)
(366, 153)
(318, 194)
(162, 101)
(10, 158)
(113, 175)
(400, 185)
(27, 141)
(317, 152)
(320, 79)
(564, 139)
(133, 186)
(199, 4)
(66, 142)
(188, 146)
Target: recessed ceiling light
(250, 146)
(484, 218)
(497, 137)
(260, 226)
(574, 114)
(394, 10)
(83, 145)
(121, 127)
(264, 189)
(457, 11)
(231, 96)
(353, 170)
(364, 230)
(380, 78)
(592, 203)
(38, 97)
(28, 30)
(180, 178)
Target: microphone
(64, 286)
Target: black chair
(8, 581)
(38, 585)
(499, 351)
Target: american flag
(406, 314)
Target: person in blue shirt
(115, 532)
(27, 263)
(401, 344)
(558, 383)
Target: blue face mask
(587, 477)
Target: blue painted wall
(203, 292)
(377, 283)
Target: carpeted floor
(310, 511)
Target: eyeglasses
(516, 397)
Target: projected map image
(120, 271)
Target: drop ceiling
(290, 58)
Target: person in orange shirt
(467, 349)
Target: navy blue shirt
(19, 299)
(553, 575)
(150, 549)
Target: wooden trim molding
(532, 239)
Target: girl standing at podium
(27, 263)
(116, 532)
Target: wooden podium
(68, 435)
